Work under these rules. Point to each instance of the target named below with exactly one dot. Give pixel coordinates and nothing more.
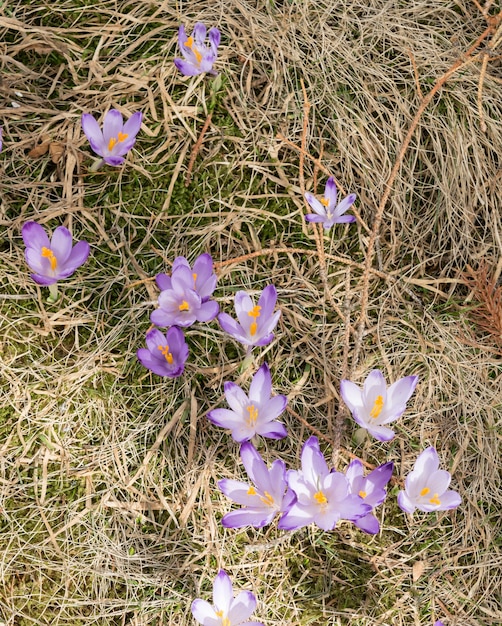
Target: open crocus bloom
(55, 259)
(116, 139)
(225, 610)
(263, 499)
(371, 489)
(256, 322)
(253, 415)
(374, 405)
(164, 355)
(426, 486)
(322, 496)
(199, 59)
(326, 210)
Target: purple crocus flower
(371, 489)
(438, 623)
(184, 298)
(425, 487)
(204, 279)
(322, 496)
(199, 59)
(225, 610)
(375, 405)
(55, 259)
(253, 415)
(164, 355)
(256, 322)
(116, 139)
(326, 211)
(1, 138)
(261, 500)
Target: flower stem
(96, 165)
(53, 293)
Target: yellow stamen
(189, 44)
(363, 494)
(377, 407)
(254, 313)
(267, 499)
(424, 491)
(324, 201)
(113, 140)
(253, 414)
(167, 355)
(49, 254)
(184, 306)
(251, 491)
(320, 497)
(194, 276)
(435, 499)
(225, 621)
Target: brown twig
(196, 148)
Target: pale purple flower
(326, 211)
(225, 610)
(438, 623)
(253, 415)
(199, 59)
(322, 496)
(425, 487)
(256, 322)
(164, 355)
(263, 499)
(116, 139)
(204, 279)
(185, 295)
(1, 138)
(371, 489)
(375, 405)
(55, 259)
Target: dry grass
(110, 511)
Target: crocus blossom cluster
(116, 138)
(426, 487)
(225, 610)
(256, 321)
(198, 58)
(326, 210)
(185, 295)
(252, 415)
(375, 405)
(185, 298)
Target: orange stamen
(320, 497)
(363, 494)
(267, 499)
(251, 491)
(166, 354)
(47, 253)
(377, 407)
(435, 499)
(424, 491)
(122, 136)
(324, 201)
(253, 414)
(111, 143)
(184, 306)
(190, 44)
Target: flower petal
(93, 133)
(204, 613)
(242, 607)
(34, 236)
(113, 124)
(261, 385)
(78, 255)
(222, 592)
